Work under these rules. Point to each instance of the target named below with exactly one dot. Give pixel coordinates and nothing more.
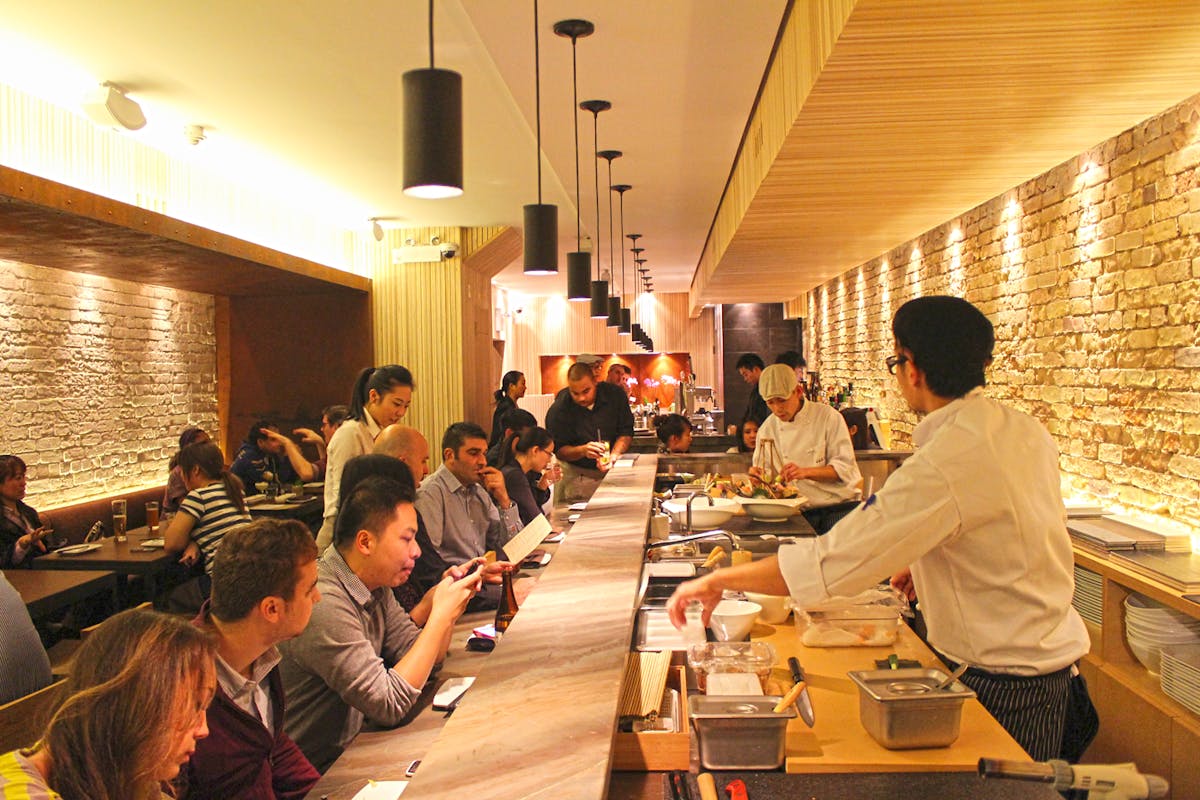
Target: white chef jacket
(977, 513)
(817, 436)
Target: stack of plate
(1089, 591)
(1150, 626)
(1181, 675)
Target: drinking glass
(152, 518)
(119, 520)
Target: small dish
(78, 549)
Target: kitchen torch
(1107, 781)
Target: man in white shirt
(974, 520)
(809, 447)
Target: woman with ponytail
(512, 389)
(137, 693)
(381, 397)
(215, 504)
(525, 463)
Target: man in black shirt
(587, 420)
(750, 367)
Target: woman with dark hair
(860, 430)
(524, 460)
(21, 529)
(137, 694)
(176, 490)
(512, 389)
(381, 397)
(674, 433)
(747, 437)
(215, 504)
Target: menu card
(525, 542)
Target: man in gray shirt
(361, 655)
(24, 667)
(456, 502)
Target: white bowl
(765, 509)
(1150, 655)
(775, 607)
(704, 516)
(732, 619)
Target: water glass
(119, 520)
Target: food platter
(764, 509)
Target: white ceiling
(317, 85)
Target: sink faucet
(717, 534)
(691, 497)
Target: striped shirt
(215, 516)
(19, 780)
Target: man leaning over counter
(974, 521)
(582, 420)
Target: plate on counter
(78, 549)
(766, 509)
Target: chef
(973, 522)
(807, 445)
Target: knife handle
(797, 671)
(708, 786)
(792, 696)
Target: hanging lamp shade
(599, 296)
(614, 312)
(541, 219)
(433, 162)
(579, 263)
(626, 326)
(579, 276)
(599, 300)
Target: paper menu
(525, 542)
(381, 790)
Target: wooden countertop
(539, 720)
(839, 743)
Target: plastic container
(740, 732)
(902, 711)
(713, 657)
(860, 626)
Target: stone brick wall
(98, 377)
(1091, 275)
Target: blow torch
(1107, 781)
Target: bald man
(408, 445)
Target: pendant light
(614, 302)
(433, 153)
(624, 323)
(541, 219)
(627, 309)
(599, 293)
(579, 263)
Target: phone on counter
(449, 693)
(412, 768)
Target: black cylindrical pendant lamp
(433, 163)
(599, 299)
(579, 276)
(579, 263)
(541, 219)
(614, 312)
(626, 327)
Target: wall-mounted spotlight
(107, 105)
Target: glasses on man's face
(893, 362)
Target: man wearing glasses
(973, 523)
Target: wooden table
(123, 558)
(47, 591)
(310, 512)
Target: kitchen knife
(804, 701)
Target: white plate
(78, 549)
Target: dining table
(47, 591)
(124, 559)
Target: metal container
(902, 711)
(740, 732)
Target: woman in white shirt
(381, 397)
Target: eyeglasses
(894, 361)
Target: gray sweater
(338, 671)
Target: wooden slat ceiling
(53, 225)
(927, 108)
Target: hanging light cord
(431, 34)
(596, 159)
(537, 93)
(612, 255)
(575, 98)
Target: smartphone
(412, 768)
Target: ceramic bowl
(732, 619)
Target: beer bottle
(508, 602)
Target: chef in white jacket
(973, 521)
(808, 445)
